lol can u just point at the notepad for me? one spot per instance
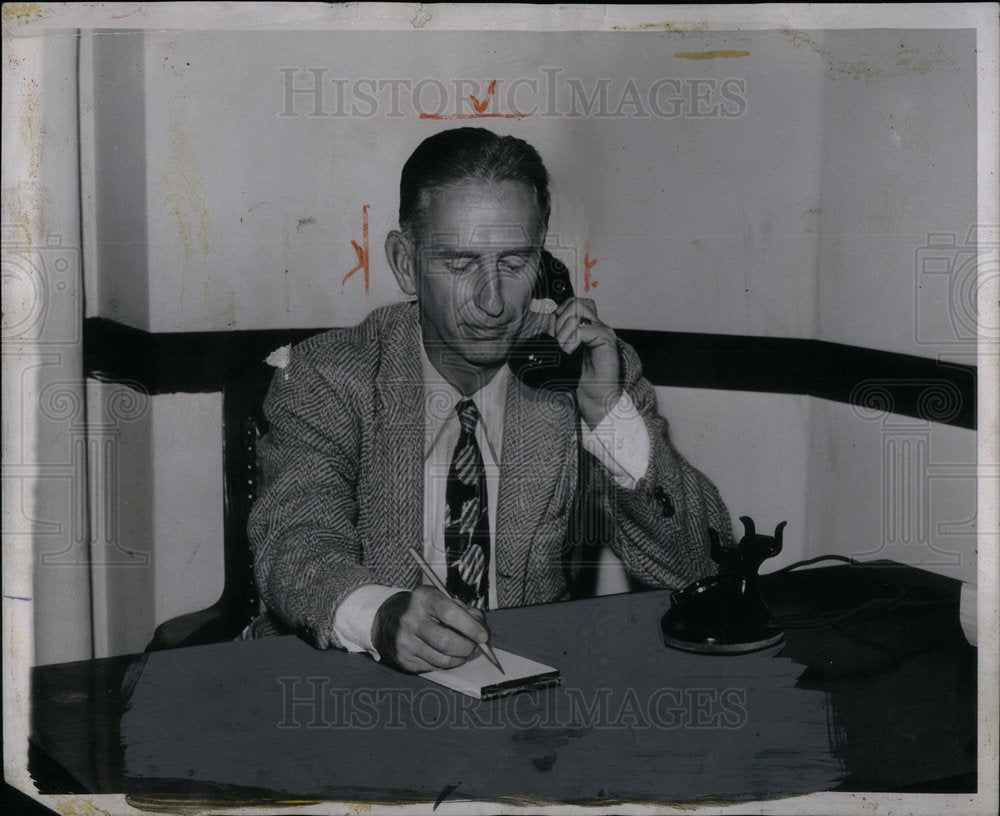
(481, 679)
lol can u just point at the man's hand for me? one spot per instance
(576, 323)
(424, 629)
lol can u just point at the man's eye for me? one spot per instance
(513, 264)
(461, 264)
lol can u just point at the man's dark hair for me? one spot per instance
(464, 154)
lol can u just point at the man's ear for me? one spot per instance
(401, 254)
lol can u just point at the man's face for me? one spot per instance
(477, 262)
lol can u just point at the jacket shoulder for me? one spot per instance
(357, 349)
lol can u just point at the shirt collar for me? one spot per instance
(441, 397)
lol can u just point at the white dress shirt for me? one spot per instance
(620, 442)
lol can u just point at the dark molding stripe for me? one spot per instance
(187, 362)
(876, 381)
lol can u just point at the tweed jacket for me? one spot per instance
(341, 497)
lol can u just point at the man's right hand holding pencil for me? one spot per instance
(424, 629)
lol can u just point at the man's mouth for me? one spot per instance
(488, 332)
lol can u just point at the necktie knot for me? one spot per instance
(468, 416)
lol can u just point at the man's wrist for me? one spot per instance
(620, 442)
(385, 626)
(355, 616)
(593, 411)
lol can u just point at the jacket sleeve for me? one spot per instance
(659, 529)
(302, 528)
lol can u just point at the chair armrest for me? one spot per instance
(212, 625)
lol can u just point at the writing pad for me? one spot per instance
(481, 679)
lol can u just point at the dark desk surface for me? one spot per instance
(901, 680)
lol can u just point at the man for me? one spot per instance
(410, 430)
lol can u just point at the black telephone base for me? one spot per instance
(713, 647)
(725, 613)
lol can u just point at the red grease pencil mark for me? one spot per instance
(361, 251)
(589, 264)
(481, 106)
(439, 116)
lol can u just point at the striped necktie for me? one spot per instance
(467, 522)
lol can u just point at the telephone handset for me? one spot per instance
(539, 362)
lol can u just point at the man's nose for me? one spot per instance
(489, 291)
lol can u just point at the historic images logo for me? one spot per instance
(313, 92)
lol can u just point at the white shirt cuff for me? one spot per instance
(355, 615)
(620, 442)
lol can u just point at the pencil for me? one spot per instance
(485, 648)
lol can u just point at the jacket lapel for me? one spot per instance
(533, 457)
(398, 473)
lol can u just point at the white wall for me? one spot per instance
(899, 157)
(851, 148)
(700, 222)
(158, 530)
(882, 485)
(45, 544)
(114, 161)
